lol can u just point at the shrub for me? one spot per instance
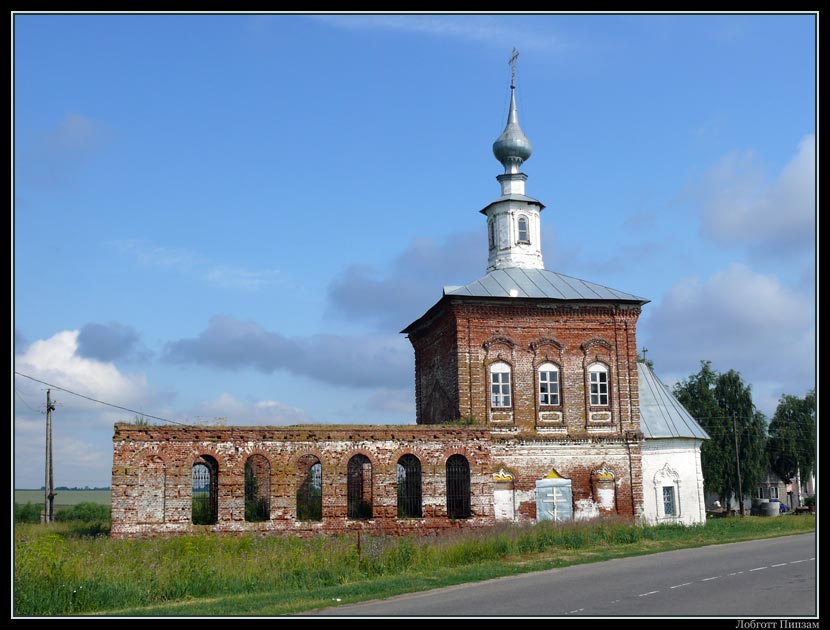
(29, 513)
(86, 512)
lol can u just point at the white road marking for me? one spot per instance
(711, 578)
(758, 569)
(679, 585)
(780, 564)
(649, 593)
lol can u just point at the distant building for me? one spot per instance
(530, 405)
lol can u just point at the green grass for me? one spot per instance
(64, 497)
(61, 570)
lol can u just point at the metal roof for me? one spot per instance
(539, 283)
(661, 414)
(513, 197)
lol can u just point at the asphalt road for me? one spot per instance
(773, 577)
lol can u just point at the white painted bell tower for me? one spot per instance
(513, 220)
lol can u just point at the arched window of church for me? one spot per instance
(309, 489)
(458, 487)
(598, 380)
(205, 491)
(548, 384)
(500, 385)
(359, 487)
(491, 230)
(257, 489)
(409, 487)
(524, 235)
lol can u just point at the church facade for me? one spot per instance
(528, 407)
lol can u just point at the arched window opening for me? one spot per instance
(524, 236)
(205, 491)
(257, 489)
(359, 487)
(458, 487)
(598, 374)
(309, 489)
(409, 487)
(500, 385)
(548, 384)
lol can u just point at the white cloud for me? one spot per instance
(497, 30)
(741, 320)
(740, 206)
(191, 263)
(229, 409)
(56, 360)
(82, 429)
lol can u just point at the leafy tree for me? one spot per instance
(792, 436)
(697, 395)
(722, 404)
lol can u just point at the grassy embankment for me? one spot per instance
(61, 569)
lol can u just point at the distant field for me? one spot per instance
(64, 497)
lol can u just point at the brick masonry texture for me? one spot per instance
(458, 340)
(152, 483)
(599, 448)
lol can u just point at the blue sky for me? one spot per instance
(229, 218)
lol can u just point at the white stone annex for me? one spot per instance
(672, 473)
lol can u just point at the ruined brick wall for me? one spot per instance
(152, 486)
(437, 374)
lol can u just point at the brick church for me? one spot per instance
(530, 405)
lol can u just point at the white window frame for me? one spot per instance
(544, 372)
(773, 490)
(673, 495)
(526, 230)
(598, 376)
(500, 386)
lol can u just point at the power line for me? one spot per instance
(23, 400)
(100, 402)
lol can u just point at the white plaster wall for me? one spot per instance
(507, 252)
(682, 455)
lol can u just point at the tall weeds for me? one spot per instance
(60, 570)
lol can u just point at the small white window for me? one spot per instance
(773, 492)
(523, 232)
(500, 385)
(760, 493)
(669, 508)
(599, 384)
(548, 384)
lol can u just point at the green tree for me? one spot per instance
(697, 395)
(722, 404)
(792, 436)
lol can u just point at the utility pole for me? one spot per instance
(49, 492)
(738, 468)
